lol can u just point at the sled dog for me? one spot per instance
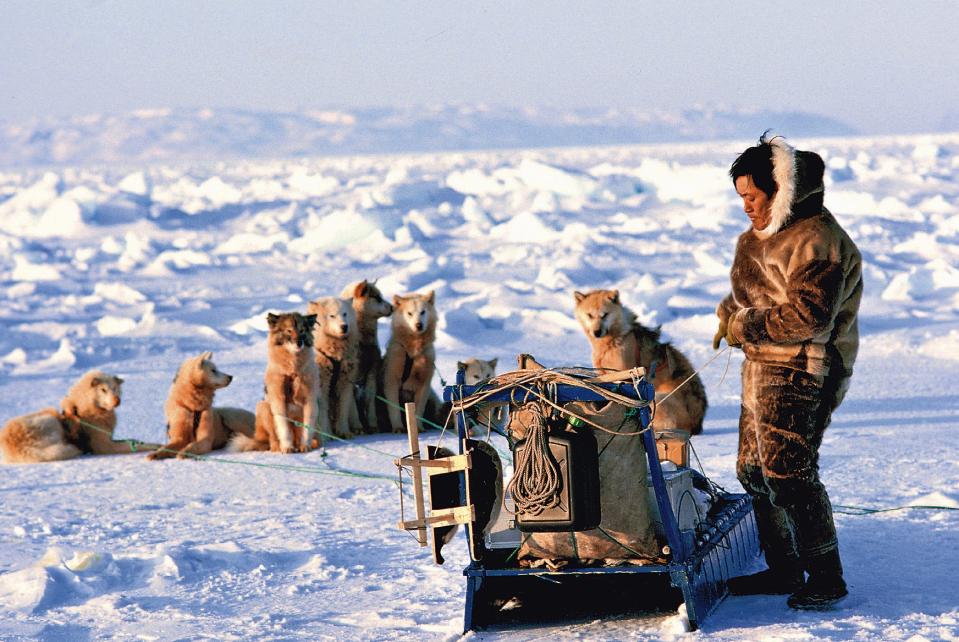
(410, 357)
(335, 345)
(477, 371)
(293, 407)
(620, 342)
(194, 426)
(369, 305)
(84, 424)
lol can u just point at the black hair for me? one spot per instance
(757, 162)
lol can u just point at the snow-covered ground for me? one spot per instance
(131, 270)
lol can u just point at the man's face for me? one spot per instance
(755, 202)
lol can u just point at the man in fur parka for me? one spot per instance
(796, 285)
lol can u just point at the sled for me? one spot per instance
(724, 545)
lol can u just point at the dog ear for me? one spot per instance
(206, 356)
(614, 296)
(431, 296)
(95, 381)
(460, 365)
(271, 319)
(118, 380)
(397, 300)
(492, 362)
(311, 306)
(579, 296)
(361, 290)
(310, 320)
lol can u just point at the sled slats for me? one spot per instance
(438, 517)
(452, 464)
(441, 466)
(442, 517)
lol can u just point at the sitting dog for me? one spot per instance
(620, 342)
(369, 305)
(334, 341)
(485, 418)
(84, 424)
(410, 356)
(194, 426)
(293, 408)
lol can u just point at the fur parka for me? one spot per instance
(797, 284)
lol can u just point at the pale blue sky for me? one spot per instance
(879, 66)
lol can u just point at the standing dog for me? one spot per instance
(369, 305)
(293, 407)
(194, 426)
(620, 342)
(84, 424)
(410, 357)
(334, 341)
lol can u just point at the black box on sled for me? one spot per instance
(574, 452)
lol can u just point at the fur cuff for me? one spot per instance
(747, 325)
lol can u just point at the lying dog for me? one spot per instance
(334, 341)
(369, 305)
(410, 356)
(293, 408)
(620, 342)
(194, 426)
(84, 424)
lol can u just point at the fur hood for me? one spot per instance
(799, 184)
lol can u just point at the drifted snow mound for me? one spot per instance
(937, 278)
(61, 360)
(43, 210)
(56, 580)
(65, 578)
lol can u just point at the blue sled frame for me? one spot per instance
(727, 545)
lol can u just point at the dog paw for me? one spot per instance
(152, 456)
(286, 450)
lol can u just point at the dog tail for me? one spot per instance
(23, 444)
(240, 443)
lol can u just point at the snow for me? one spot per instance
(157, 262)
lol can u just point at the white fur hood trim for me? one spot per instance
(784, 173)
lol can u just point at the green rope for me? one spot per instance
(516, 550)
(423, 419)
(133, 443)
(864, 510)
(619, 543)
(313, 430)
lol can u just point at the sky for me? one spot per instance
(882, 67)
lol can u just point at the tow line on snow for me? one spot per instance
(844, 509)
(329, 470)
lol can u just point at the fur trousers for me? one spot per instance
(781, 424)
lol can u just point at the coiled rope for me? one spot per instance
(536, 481)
